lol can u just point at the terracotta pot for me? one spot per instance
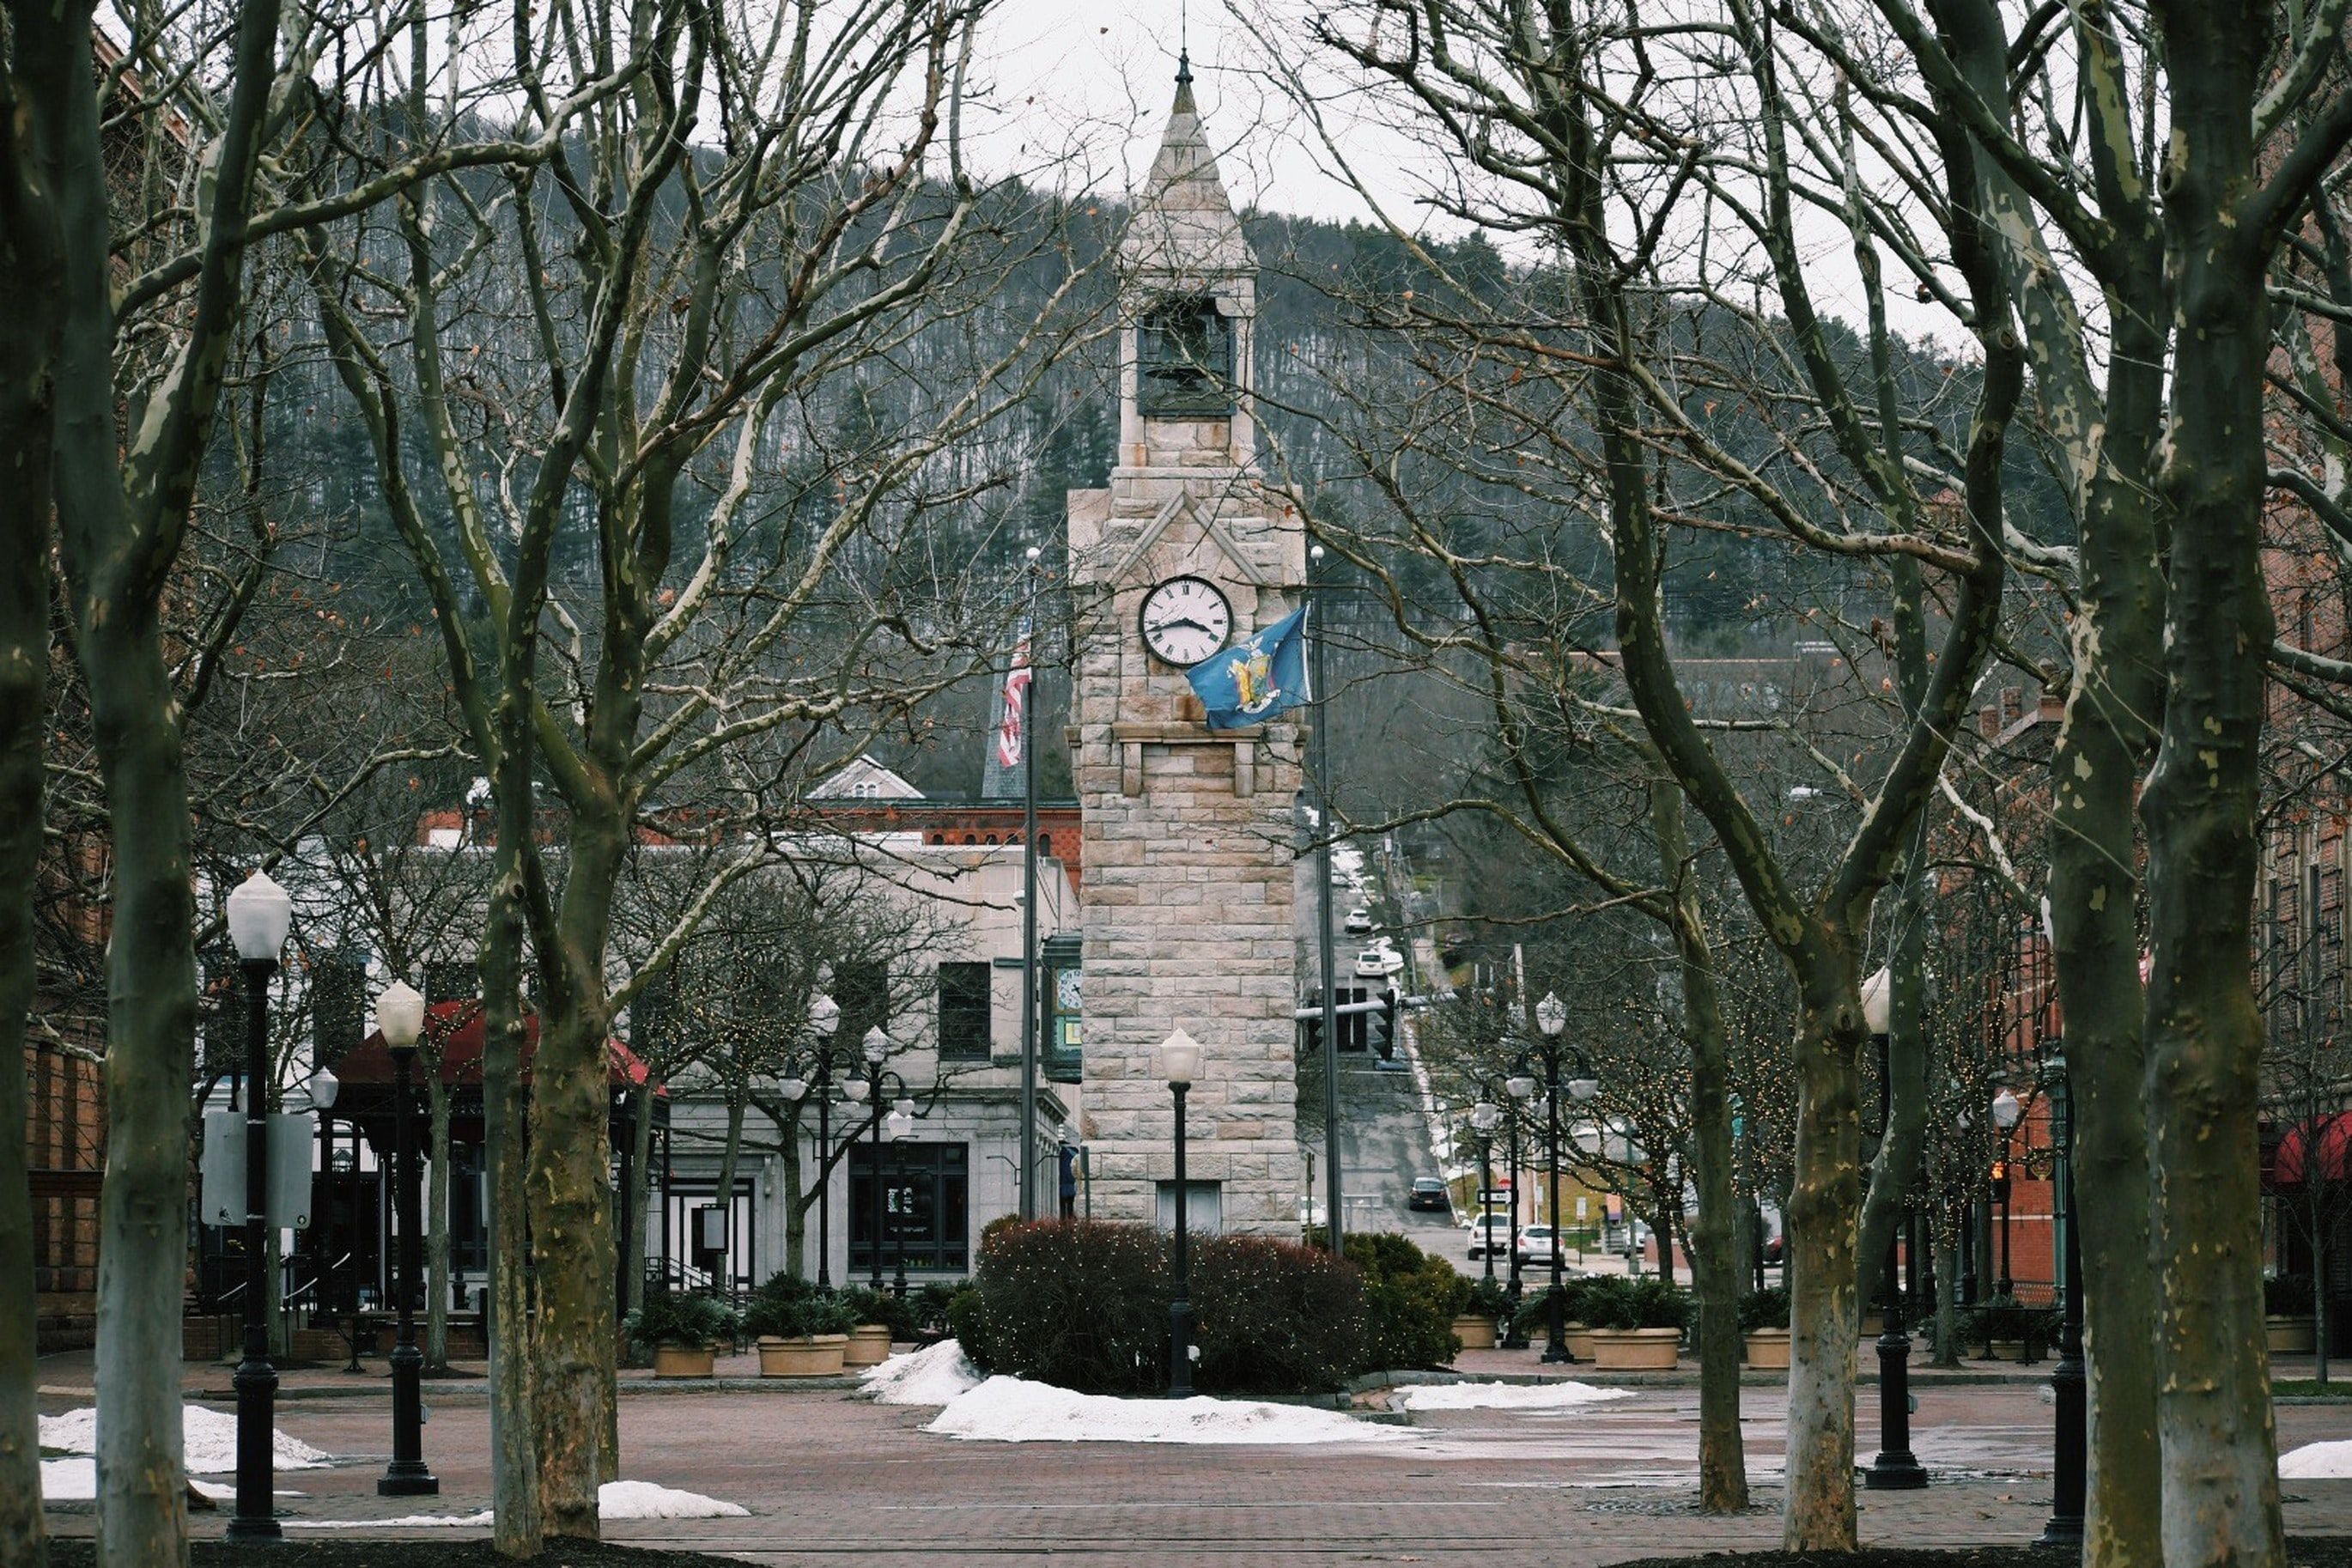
(1635, 1349)
(1578, 1338)
(809, 1355)
(1767, 1349)
(1476, 1333)
(684, 1360)
(1873, 1324)
(2006, 1350)
(2292, 1336)
(869, 1345)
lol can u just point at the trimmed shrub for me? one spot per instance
(669, 1319)
(901, 1314)
(2287, 1296)
(1079, 1303)
(1485, 1298)
(967, 1321)
(1765, 1309)
(791, 1316)
(1409, 1299)
(1274, 1317)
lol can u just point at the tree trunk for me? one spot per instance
(1714, 1261)
(518, 1528)
(728, 1158)
(1824, 1306)
(26, 362)
(571, 1213)
(436, 1224)
(1948, 1299)
(639, 1239)
(2204, 1033)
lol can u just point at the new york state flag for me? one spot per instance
(1263, 674)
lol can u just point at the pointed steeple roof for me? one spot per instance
(1184, 226)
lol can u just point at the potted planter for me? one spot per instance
(1635, 1349)
(1764, 1323)
(2287, 1305)
(875, 1317)
(1637, 1324)
(802, 1356)
(803, 1332)
(1477, 1333)
(683, 1332)
(684, 1361)
(2005, 1350)
(1578, 1338)
(1767, 1349)
(869, 1345)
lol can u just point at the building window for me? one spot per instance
(1204, 1211)
(925, 1213)
(964, 1012)
(863, 992)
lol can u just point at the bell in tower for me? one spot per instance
(1188, 286)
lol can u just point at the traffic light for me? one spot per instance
(1310, 1034)
(1353, 1034)
(1381, 1025)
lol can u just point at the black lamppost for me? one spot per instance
(875, 1050)
(1180, 1064)
(258, 915)
(2071, 1436)
(2006, 1113)
(400, 1018)
(1515, 1338)
(1551, 1017)
(895, 1127)
(824, 1018)
(1482, 1123)
(1895, 1468)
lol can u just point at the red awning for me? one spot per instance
(2331, 1136)
(458, 1026)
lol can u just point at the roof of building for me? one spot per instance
(1184, 224)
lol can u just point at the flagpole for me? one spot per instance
(1029, 1009)
(1334, 1221)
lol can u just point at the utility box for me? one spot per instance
(291, 1138)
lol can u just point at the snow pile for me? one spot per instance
(1505, 1396)
(76, 1480)
(481, 1520)
(643, 1500)
(932, 1376)
(1015, 1410)
(2317, 1462)
(209, 1437)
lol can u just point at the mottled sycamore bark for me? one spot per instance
(1713, 1246)
(29, 266)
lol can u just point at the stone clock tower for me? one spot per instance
(1188, 836)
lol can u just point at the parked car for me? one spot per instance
(1360, 920)
(1491, 1232)
(1537, 1245)
(1429, 1193)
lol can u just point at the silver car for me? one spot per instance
(1537, 1244)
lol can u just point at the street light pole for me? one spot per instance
(2006, 1112)
(400, 1018)
(1482, 1123)
(260, 911)
(1180, 1064)
(1515, 1336)
(2071, 1438)
(1551, 1017)
(877, 1050)
(1895, 1468)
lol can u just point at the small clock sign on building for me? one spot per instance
(1187, 833)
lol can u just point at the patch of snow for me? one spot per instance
(1505, 1396)
(1015, 1410)
(643, 1500)
(208, 1438)
(2317, 1462)
(930, 1376)
(481, 1520)
(69, 1480)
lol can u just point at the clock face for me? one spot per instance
(1186, 619)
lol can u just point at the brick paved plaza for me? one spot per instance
(829, 1476)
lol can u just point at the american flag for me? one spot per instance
(1016, 697)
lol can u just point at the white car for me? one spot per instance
(1536, 1245)
(1490, 1235)
(1372, 963)
(1360, 920)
